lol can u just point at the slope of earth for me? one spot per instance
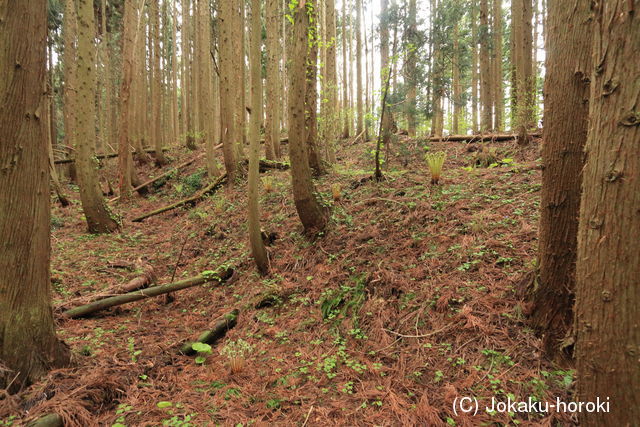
(407, 302)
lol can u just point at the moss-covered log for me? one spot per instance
(217, 331)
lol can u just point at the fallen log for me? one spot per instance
(265, 165)
(102, 304)
(214, 333)
(167, 173)
(104, 156)
(189, 200)
(480, 138)
(282, 140)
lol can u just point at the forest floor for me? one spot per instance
(407, 302)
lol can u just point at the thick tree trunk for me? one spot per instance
(568, 65)
(608, 265)
(272, 120)
(311, 213)
(28, 343)
(124, 151)
(255, 238)
(228, 96)
(98, 217)
(523, 82)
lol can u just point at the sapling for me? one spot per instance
(435, 162)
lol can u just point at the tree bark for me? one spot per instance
(485, 69)
(228, 96)
(498, 95)
(311, 94)
(411, 68)
(331, 79)
(474, 67)
(311, 213)
(345, 75)
(98, 217)
(156, 85)
(255, 238)
(28, 343)
(568, 65)
(608, 265)
(359, 89)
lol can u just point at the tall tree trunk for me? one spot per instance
(28, 343)
(175, 120)
(522, 46)
(359, 89)
(310, 211)
(411, 68)
(98, 217)
(331, 79)
(498, 95)
(311, 94)
(255, 236)
(568, 65)
(106, 61)
(69, 95)
(272, 120)
(228, 96)
(345, 75)
(205, 81)
(156, 86)
(185, 81)
(485, 68)
(456, 87)
(124, 151)
(474, 67)
(608, 265)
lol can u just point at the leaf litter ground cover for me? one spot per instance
(408, 301)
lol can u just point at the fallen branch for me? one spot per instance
(102, 304)
(188, 201)
(103, 156)
(217, 331)
(167, 173)
(480, 138)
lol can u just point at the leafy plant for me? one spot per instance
(435, 162)
(202, 349)
(336, 191)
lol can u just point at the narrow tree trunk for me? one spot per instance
(156, 85)
(332, 82)
(311, 94)
(98, 217)
(272, 120)
(359, 89)
(485, 69)
(498, 95)
(28, 347)
(608, 265)
(345, 75)
(255, 237)
(311, 213)
(411, 68)
(455, 72)
(568, 65)
(474, 67)
(205, 81)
